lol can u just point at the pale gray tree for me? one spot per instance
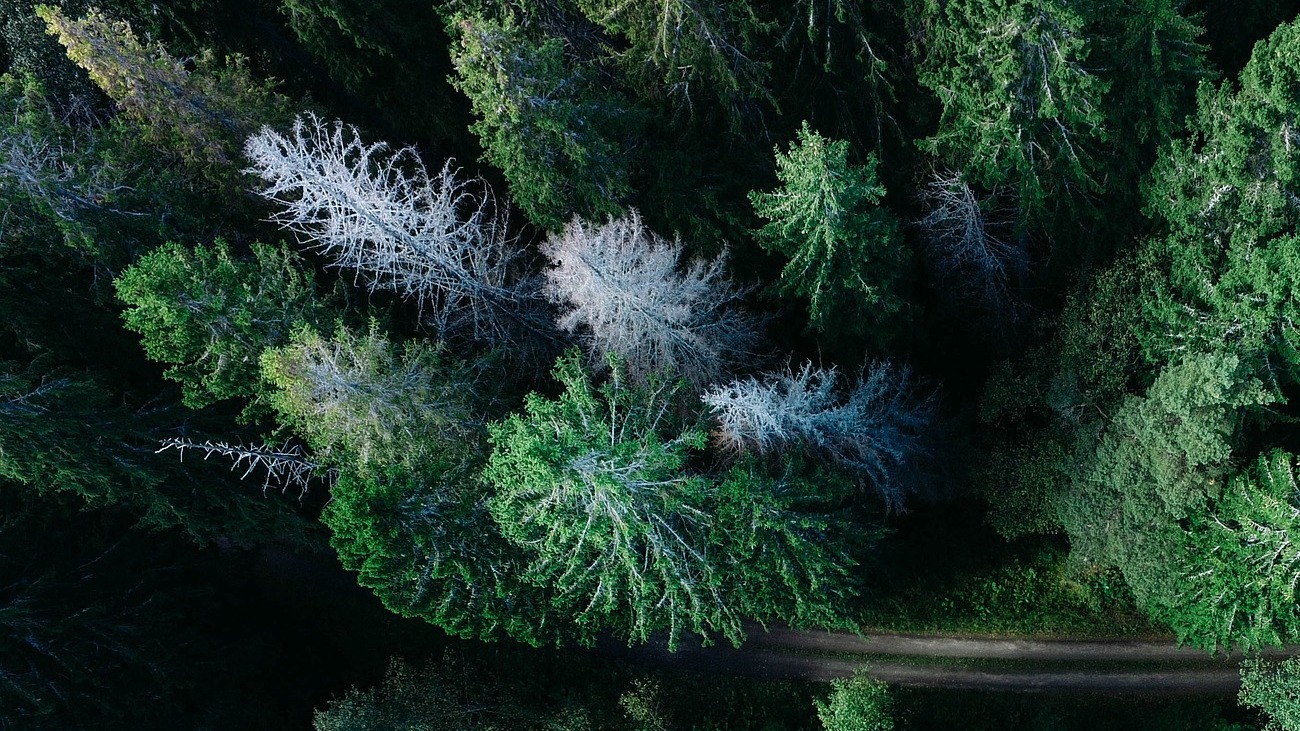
(624, 289)
(437, 239)
(966, 241)
(875, 431)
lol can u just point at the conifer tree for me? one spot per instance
(1021, 104)
(620, 286)
(201, 116)
(211, 315)
(593, 487)
(845, 251)
(542, 120)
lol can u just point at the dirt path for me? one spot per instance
(1037, 665)
(935, 645)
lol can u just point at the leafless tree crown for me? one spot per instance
(963, 240)
(874, 432)
(621, 286)
(436, 239)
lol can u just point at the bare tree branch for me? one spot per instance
(435, 239)
(287, 465)
(875, 432)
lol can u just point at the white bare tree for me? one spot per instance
(436, 239)
(963, 240)
(875, 432)
(286, 466)
(623, 288)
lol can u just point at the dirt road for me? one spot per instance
(1027, 665)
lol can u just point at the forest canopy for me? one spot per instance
(560, 324)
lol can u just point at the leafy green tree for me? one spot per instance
(211, 315)
(542, 120)
(360, 401)
(857, 704)
(1021, 106)
(1141, 487)
(845, 250)
(200, 116)
(1223, 199)
(593, 486)
(1274, 688)
(397, 426)
(1154, 62)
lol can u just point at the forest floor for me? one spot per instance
(1116, 666)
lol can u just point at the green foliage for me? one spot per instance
(592, 485)
(1241, 569)
(1274, 688)
(693, 51)
(1154, 62)
(792, 555)
(542, 120)
(200, 116)
(1034, 588)
(1161, 460)
(1020, 105)
(845, 250)
(361, 402)
(429, 549)
(1224, 198)
(857, 704)
(59, 431)
(443, 697)
(389, 55)
(211, 315)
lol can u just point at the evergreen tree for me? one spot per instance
(211, 315)
(845, 251)
(694, 51)
(593, 487)
(543, 121)
(201, 116)
(1224, 199)
(1021, 105)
